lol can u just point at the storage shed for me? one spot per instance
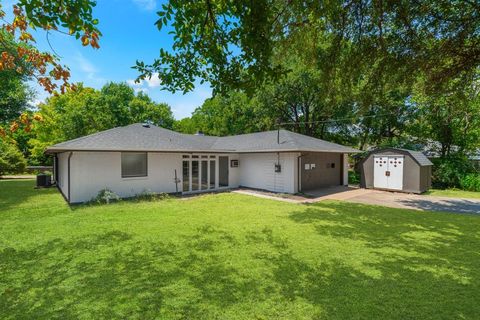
(396, 169)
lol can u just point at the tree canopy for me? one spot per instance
(231, 43)
(17, 45)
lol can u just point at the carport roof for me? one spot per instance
(138, 137)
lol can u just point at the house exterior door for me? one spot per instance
(388, 172)
(198, 173)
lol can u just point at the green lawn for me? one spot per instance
(230, 256)
(454, 193)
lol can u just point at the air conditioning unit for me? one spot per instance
(233, 163)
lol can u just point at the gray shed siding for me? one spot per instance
(416, 178)
(425, 178)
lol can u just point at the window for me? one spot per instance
(234, 163)
(134, 164)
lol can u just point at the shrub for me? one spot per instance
(106, 196)
(149, 195)
(11, 159)
(470, 182)
(448, 172)
(353, 177)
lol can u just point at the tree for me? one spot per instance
(14, 97)
(143, 109)
(86, 111)
(453, 117)
(17, 45)
(224, 115)
(231, 43)
(11, 159)
(301, 103)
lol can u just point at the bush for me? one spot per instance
(470, 182)
(149, 195)
(448, 172)
(353, 177)
(106, 196)
(11, 159)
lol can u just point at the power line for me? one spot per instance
(335, 120)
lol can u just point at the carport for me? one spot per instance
(319, 170)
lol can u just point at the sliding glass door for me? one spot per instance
(199, 173)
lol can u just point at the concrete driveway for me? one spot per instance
(398, 200)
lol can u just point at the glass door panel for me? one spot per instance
(212, 174)
(195, 175)
(204, 173)
(186, 176)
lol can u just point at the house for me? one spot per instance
(138, 157)
(396, 169)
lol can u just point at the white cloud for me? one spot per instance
(154, 81)
(148, 5)
(132, 83)
(84, 64)
(137, 90)
(90, 71)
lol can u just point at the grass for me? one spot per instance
(454, 193)
(231, 256)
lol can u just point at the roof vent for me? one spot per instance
(199, 133)
(146, 125)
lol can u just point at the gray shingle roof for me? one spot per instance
(418, 156)
(136, 137)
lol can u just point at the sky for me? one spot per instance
(129, 34)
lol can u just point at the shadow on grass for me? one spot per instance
(349, 261)
(409, 286)
(111, 275)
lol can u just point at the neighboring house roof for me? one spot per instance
(137, 137)
(418, 156)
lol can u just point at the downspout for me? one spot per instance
(55, 168)
(68, 175)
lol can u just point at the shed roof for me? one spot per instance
(418, 156)
(137, 137)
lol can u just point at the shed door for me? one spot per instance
(380, 168)
(395, 167)
(388, 172)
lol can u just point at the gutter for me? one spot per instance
(226, 151)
